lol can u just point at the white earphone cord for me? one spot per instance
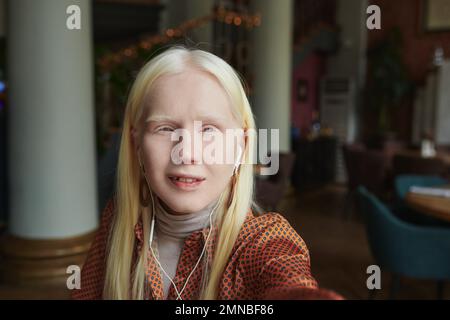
(236, 166)
(199, 259)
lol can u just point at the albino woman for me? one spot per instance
(180, 227)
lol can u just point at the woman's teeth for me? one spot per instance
(187, 180)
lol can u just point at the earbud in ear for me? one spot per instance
(238, 160)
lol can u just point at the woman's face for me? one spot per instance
(194, 106)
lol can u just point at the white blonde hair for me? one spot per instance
(124, 280)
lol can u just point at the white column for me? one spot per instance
(350, 61)
(442, 118)
(418, 118)
(51, 126)
(271, 67)
(429, 111)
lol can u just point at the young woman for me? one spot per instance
(182, 228)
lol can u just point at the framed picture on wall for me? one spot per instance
(435, 15)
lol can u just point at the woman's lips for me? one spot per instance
(186, 182)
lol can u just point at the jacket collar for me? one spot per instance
(154, 275)
(139, 230)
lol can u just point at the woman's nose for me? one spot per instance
(191, 152)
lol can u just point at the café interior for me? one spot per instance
(358, 89)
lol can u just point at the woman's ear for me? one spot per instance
(245, 140)
(135, 139)
(136, 146)
(241, 150)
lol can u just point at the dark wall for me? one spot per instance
(418, 45)
(121, 21)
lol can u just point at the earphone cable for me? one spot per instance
(201, 255)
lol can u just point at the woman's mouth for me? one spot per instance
(186, 182)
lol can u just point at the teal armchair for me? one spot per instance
(402, 248)
(402, 185)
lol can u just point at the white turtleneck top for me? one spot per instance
(170, 232)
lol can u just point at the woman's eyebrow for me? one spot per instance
(159, 118)
(204, 118)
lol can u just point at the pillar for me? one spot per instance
(271, 67)
(52, 178)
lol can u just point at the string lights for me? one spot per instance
(111, 59)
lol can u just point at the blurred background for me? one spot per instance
(363, 114)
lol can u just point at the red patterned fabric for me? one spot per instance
(269, 261)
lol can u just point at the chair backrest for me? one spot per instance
(403, 248)
(404, 182)
(415, 165)
(269, 192)
(365, 167)
(352, 154)
(374, 169)
(286, 164)
(387, 235)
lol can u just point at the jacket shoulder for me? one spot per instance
(93, 271)
(268, 222)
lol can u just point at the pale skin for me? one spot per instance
(175, 102)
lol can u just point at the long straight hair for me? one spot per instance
(123, 280)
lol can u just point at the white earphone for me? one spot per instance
(198, 261)
(238, 161)
(152, 227)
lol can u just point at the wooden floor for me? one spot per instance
(339, 251)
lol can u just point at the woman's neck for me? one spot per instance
(180, 225)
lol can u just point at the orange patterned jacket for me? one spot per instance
(269, 261)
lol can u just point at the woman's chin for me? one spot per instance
(186, 210)
(185, 206)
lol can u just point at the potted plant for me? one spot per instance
(388, 82)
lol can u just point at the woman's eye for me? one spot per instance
(164, 129)
(209, 129)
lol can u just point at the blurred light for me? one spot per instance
(128, 52)
(222, 15)
(257, 21)
(170, 32)
(229, 19)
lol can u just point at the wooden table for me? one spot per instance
(441, 155)
(438, 207)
